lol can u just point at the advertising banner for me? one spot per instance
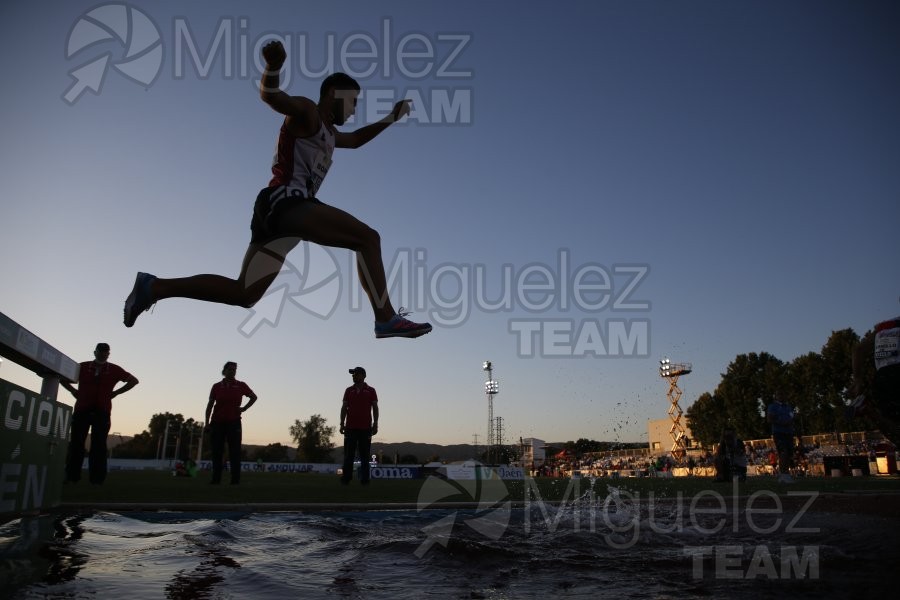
(34, 433)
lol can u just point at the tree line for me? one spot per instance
(170, 435)
(817, 386)
(312, 443)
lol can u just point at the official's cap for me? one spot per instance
(360, 370)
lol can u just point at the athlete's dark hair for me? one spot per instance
(228, 364)
(338, 82)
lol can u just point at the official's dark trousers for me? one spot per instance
(222, 433)
(98, 423)
(784, 445)
(357, 441)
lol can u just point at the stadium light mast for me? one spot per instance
(671, 372)
(491, 388)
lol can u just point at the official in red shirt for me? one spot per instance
(223, 417)
(93, 405)
(359, 422)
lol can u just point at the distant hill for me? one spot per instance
(388, 451)
(425, 452)
(422, 452)
(114, 439)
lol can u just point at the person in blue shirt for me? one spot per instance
(780, 416)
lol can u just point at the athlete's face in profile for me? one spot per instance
(344, 105)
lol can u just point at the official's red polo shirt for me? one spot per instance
(359, 402)
(95, 385)
(228, 396)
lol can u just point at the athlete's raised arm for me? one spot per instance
(297, 107)
(363, 135)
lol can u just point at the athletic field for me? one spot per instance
(285, 491)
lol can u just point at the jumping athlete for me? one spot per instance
(287, 210)
(876, 372)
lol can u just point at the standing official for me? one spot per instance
(93, 406)
(359, 422)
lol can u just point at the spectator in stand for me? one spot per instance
(772, 458)
(691, 464)
(731, 461)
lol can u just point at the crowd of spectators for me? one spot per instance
(760, 457)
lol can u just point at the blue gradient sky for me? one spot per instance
(744, 153)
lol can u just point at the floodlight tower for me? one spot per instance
(671, 372)
(491, 388)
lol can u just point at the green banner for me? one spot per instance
(34, 433)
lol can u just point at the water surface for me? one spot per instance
(596, 550)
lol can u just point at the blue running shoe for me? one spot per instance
(399, 326)
(140, 298)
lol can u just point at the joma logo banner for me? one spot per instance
(394, 473)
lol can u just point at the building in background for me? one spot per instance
(660, 438)
(533, 453)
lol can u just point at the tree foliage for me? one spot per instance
(272, 453)
(817, 385)
(706, 418)
(313, 439)
(141, 446)
(865, 376)
(183, 433)
(747, 387)
(583, 446)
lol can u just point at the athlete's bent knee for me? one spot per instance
(371, 238)
(250, 296)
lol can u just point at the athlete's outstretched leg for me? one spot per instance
(329, 226)
(261, 266)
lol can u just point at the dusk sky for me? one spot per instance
(582, 189)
